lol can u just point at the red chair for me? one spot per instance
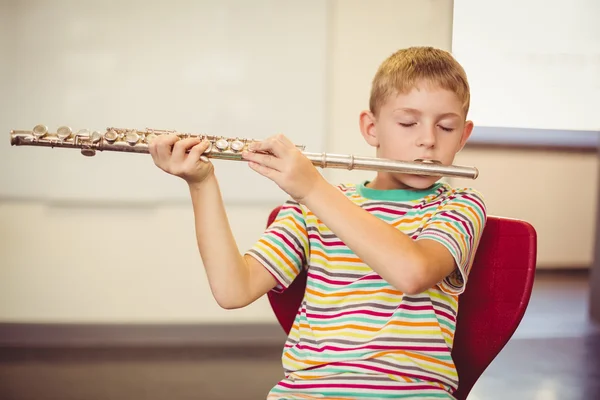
(491, 307)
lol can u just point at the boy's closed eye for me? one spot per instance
(411, 124)
(407, 124)
(445, 128)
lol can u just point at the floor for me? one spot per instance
(555, 354)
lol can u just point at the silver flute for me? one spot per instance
(226, 148)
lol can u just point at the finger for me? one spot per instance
(272, 145)
(164, 145)
(282, 145)
(152, 150)
(153, 143)
(264, 171)
(182, 146)
(197, 151)
(266, 160)
(258, 146)
(285, 140)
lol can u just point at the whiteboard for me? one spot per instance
(248, 69)
(531, 64)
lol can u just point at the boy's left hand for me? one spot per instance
(285, 165)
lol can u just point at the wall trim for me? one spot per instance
(16, 334)
(562, 269)
(534, 139)
(531, 147)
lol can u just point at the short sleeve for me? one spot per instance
(283, 247)
(458, 225)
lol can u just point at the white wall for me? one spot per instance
(121, 263)
(531, 65)
(220, 68)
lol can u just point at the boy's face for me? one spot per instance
(425, 123)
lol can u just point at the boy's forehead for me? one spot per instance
(416, 98)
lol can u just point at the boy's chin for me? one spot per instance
(419, 182)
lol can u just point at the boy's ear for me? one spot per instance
(367, 128)
(468, 129)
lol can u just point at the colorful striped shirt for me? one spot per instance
(355, 335)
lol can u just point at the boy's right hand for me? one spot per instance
(170, 153)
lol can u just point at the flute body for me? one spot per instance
(137, 141)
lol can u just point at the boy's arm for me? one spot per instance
(411, 266)
(235, 280)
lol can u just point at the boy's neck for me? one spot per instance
(393, 190)
(387, 182)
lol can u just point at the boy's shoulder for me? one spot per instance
(462, 192)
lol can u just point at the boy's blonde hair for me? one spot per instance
(401, 71)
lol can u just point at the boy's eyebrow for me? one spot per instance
(418, 112)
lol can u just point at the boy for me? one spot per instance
(386, 259)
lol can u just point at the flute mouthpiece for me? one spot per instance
(427, 161)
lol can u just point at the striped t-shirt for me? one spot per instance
(355, 335)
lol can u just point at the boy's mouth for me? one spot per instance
(426, 160)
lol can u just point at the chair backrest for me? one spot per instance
(491, 307)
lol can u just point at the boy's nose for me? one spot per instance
(426, 138)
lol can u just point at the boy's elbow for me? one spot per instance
(230, 304)
(411, 287)
(229, 301)
(423, 278)
(416, 281)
